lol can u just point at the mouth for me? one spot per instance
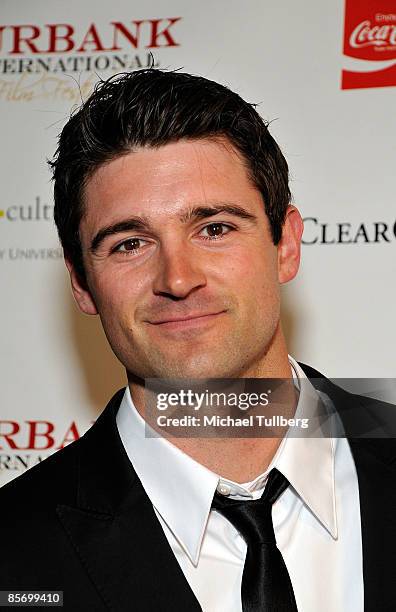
(187, 322)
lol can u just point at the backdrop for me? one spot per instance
(322, 72)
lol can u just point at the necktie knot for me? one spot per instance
(265, 583)
(253, 518)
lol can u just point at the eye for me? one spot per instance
(215, 231)
(132, 245)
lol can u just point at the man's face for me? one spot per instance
(180, 262)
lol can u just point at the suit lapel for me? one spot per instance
(114, 529)
(374, 454)
(118, 538)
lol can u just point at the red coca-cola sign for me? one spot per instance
(369, 44)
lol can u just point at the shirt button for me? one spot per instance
(224, 489)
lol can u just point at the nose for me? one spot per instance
(179, 272)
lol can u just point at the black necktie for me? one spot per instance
(266, 585)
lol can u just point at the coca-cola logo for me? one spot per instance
(369, 44)
(365, 34)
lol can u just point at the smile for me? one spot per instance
(187, 322)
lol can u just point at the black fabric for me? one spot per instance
(266, 583)
(82, 522)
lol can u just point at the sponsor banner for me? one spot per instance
(36, 211)
(317, 231)
(61, 61)
(338, 314)
(369, 44)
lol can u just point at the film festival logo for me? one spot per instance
(62, 61)
(369, 44)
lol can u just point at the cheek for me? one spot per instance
(252, 272)
(116, 295)
(257, 290)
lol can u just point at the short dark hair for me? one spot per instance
(153, 107)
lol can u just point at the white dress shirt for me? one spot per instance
(316, 520)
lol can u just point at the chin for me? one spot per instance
(195, 369)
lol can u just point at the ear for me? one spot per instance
(81, 293)
(289, 245)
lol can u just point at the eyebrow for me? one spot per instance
(133, 224)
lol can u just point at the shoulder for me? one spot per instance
(52, 480)
(369, 423)
(56, 479)
(31, 527)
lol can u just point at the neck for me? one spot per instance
(237, 459)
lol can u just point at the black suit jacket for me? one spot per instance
(81, 522)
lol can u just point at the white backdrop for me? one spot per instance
(56, 370)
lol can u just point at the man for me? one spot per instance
(173, 208)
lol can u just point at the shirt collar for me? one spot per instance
(180, 487)
(308, 462)
(177, 485)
